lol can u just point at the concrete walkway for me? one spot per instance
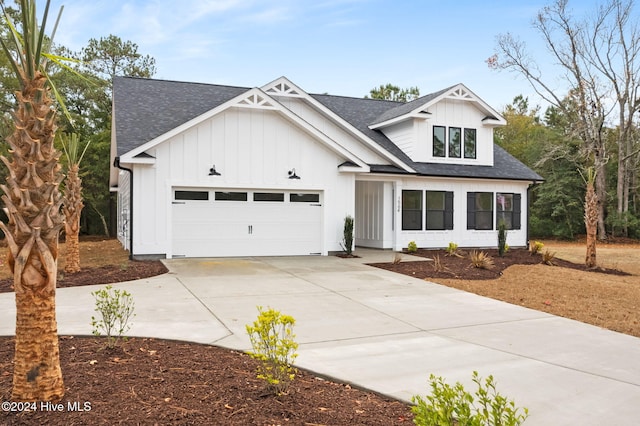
(384, 331)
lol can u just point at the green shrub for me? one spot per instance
(535, 247)
(502, 238)
(115, 308)
(347, 233)
(453, 405)
(452, 249)
(412, 247)
(274, 346)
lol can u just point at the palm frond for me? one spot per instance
(19, 62)
(27, 50)
(40, 34)
(58, 98)
(71, 146)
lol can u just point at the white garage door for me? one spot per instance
(217, 223)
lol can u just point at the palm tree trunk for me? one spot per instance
(591, 224)
(33, 201)
(37, 373)
(72, 208)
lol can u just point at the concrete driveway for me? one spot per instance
(384, 331)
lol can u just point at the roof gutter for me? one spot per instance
(116, 163)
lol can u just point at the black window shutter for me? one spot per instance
(471, 210)
(448, 210)
(517, 211)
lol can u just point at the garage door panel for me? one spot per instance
(246, 228)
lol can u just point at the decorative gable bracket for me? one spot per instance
(255, 100)
(461, 94)
(282, 88)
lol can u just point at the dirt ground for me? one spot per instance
(608, 297)
(150, 381)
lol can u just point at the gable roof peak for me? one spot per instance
(457, 91)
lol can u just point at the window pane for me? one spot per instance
(412, 200)
(411, 210)
(454, 142)
(504, 202)
(411, 220)
(484, 201)
(506, 217)
(484, 220)
(469, 143)
(435, 200)
(192, 195)
(438, 141)
(435, 220)
(304, 198)
(231, 196)
(268, 196)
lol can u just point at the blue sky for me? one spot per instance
(341, 47)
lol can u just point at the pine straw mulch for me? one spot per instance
(606, 297)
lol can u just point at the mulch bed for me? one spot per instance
(133, 270)
(151, 381)
(459, 267)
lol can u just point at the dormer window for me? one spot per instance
(470, 143)
(439, 149)
(454, 149)
(454, 142)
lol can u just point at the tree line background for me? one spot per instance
(592, 123)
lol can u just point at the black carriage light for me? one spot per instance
(213, 172)
(293, 175)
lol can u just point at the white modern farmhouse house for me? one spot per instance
(206, 170)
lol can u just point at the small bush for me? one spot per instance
(115, 308)
(481, 260)
(547, 258)
(453, 405)
(502, 238)
(412, 247)
(347, 234)
(452, 249)
(275, 347)
(535, 247)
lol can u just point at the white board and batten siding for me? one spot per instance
(253, 150)
(124, 203)
(328, 126)
(379, 213)
(453, 113)
(460, 234)
(374, 219)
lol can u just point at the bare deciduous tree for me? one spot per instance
(599, 63)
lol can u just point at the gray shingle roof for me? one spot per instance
(405, 108)
(506, 167)
(358, 112)
(146, 108)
